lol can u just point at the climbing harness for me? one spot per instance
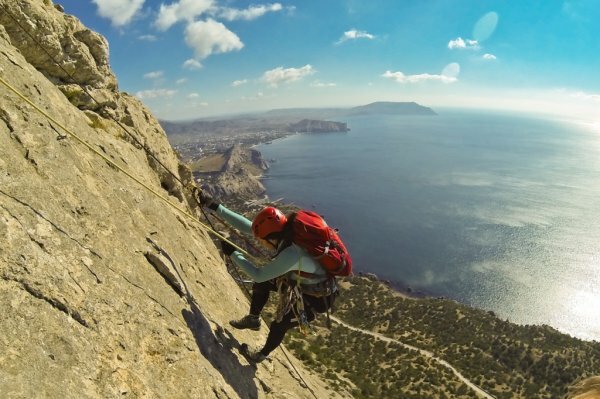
(299, 309)
(291, 300)
(300, 312)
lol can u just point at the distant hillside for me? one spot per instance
(317, 126)
(283, 119)
(378, 107)
(296, 114)
(391, 108)
(233, 125)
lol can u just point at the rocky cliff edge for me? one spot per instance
(239, 178)
(90, 298)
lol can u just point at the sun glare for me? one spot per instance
(582, 306)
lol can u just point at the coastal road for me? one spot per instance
(480, 392)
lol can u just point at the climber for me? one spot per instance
(291, 267)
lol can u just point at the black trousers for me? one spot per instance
(312, 305)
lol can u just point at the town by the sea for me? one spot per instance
(498, 211)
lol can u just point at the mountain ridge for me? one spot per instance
(392, 108)
(285, 119)
(401, 108)
(376, 107)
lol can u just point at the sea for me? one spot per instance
(497, 211)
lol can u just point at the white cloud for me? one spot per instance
(169, 15)
(250, 13)
(462, 44)
(237, 83)
(193, 95)
(586, 96)
(192, 64)
(354, 34)
(181, 81)
(277, 76)
(448, 75)
(155, 93)
(208, 37)
(120, 12)
(258, 96)
(153, 75)
(147, 38)
(488, 56)
(402, 78)
(321, 84)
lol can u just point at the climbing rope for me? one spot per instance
(230, 228)
(145, 148)
(73, 80)
(119, 168)
(131, 135)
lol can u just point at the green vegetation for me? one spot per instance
(370, 368)
(505, 359)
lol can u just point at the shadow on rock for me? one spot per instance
(218, 350)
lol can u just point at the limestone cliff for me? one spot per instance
(91, 301)
(238, 179)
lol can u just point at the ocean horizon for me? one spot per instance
(497, 211)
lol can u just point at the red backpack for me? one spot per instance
(311, 233)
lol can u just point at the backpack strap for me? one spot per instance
(287, 236)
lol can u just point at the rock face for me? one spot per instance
(239, 176)
(105, 290)
(81, 56)
(317, 126)
(257, 159)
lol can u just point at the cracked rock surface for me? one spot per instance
(89, 308)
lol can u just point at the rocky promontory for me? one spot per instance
(234, 176)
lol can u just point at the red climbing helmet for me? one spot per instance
(269, 220)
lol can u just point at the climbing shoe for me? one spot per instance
(247, 322)
(251, 355)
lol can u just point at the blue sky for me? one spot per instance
(195, 58)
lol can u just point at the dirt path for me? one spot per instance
(480, 392)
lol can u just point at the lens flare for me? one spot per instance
(485, 27)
